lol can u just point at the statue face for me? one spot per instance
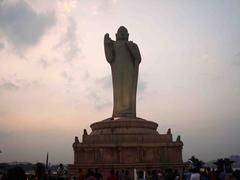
(122, 34)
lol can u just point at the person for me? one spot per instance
(15, 172)
(124, 58)
(80, 174)
(205, 174)
(149, 175)
(176, 175)
(127, 177)
(154, 175)
(89, 172)
(40, 171)
(98, 175)
(236, 174)
(121, 175)
(60, 170)
(112, 175)
(195, 175)
(141, 175)
(212, 174)
(187, 174)
(90, 176)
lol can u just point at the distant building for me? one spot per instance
(236, 159)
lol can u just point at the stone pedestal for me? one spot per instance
(126, 143)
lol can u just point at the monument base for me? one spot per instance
(128, 144)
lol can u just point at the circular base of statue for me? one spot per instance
(124, 125)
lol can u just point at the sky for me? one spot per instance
(55, 80)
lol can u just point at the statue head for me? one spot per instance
(122, 34)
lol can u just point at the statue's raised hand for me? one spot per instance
(108, 48)
(107, 39)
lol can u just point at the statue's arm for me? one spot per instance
(108, 48)
(134, 51)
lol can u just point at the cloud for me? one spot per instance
(13, 83)
(65, 7)
(86, 75)
(104, 6)
(236, 59)
(7, 85)
(99, 91)
(100, 102)
(105, 82)
(1, 46)
(43, 62)
(69, 41)
(142, 85)
(67, 76)
(4, 135)
(21, 25)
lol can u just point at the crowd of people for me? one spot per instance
(40, 173)
(211, 174)
(168, 174)
(113, 175)
(17, 173)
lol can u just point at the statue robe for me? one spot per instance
(124, 58)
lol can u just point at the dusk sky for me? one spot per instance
(55, 80)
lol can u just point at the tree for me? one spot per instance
(224, 164)
(196, 163)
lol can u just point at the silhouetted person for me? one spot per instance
(236, 174)
(60, 170)
(169, 174)
(112, 176)
(195, 174)
(127, 177)
(154, 175)
(89, 172)
(176, 175)
(15, 173)
(149, 175)
(117, 174)
(3, 176)
(98, 175)
(121, 175)
(140, 175)
(90, 175)
(80, 174)
(212, 174)
(40, 171)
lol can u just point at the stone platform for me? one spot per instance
(126, 143)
